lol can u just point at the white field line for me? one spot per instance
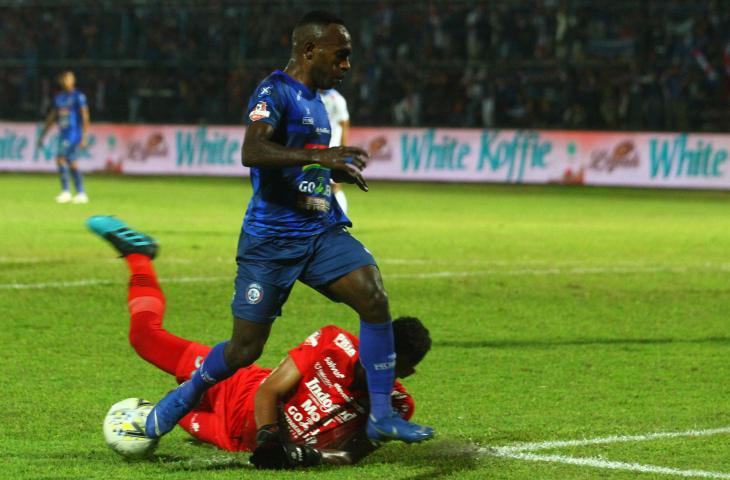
(559, 271)
(527, 263)
(612, 465)
(532, 447)
(525, 451)
(411, 276)
(99, 281)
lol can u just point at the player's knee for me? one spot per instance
(241, 354)
(375, 302)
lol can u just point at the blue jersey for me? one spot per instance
(291, 201)
(68, 107)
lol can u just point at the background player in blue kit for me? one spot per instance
(293, 230)
(71, 113)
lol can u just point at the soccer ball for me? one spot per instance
(124, 428)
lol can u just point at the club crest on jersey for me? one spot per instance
(254, 293)
(259, 112)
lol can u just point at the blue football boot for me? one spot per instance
(123, 238)
(393, 427)
(171, 409)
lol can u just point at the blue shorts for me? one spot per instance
(269, 266)
(68, 149)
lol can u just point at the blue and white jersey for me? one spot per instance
(68, 107)
(291, 201)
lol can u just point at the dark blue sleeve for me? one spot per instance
(267, 104)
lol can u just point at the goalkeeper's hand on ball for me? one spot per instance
(275, 452)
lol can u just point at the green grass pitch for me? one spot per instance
(556, 313)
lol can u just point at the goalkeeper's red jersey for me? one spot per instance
(323, 411)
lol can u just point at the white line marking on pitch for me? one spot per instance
(525, 451)
(531, 447)
(611, 465)
(99, 281)
(411, 276)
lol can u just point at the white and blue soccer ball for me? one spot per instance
(124, 428)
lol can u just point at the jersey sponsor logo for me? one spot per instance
(322, 374)
(254, 293)
(333, 367)
(259, 112)
(265, 90)
(318, 187)
(345, 344)
(322, 130)
(322, 397)
(342, 392)
(307, 120)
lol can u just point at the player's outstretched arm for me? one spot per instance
(259, 151)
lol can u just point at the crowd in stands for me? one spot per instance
(639, 64)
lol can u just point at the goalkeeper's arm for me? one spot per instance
(273, 447)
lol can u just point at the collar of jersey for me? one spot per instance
(309, 94)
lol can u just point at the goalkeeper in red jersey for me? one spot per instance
(311, 409)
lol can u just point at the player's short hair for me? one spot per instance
(319, 17)
(412, 339)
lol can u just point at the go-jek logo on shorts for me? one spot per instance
(254, 293)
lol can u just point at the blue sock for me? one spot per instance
(213, 370)
(63, 172)
(377, 356)
(78, 180)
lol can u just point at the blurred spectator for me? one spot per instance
(651, 65)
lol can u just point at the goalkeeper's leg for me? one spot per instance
(146, 308)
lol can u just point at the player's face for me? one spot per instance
(67, 81)
(331, 59)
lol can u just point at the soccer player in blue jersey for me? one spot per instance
(294, 230)
(71, 113)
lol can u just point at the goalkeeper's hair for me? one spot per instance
(412, 339)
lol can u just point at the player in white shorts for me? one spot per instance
(339, 118)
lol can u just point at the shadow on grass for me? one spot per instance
(438, 458)
(435, 459)
(576, 342)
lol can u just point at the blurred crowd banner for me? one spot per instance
(441, 155)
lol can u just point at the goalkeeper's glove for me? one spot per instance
(275, 452)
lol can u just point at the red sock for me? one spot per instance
(146, 308)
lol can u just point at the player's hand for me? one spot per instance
(336, 158)
(275, 451)
(280, 456)
(350, 175)
(346, 163)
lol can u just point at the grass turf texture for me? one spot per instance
(556, 313)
